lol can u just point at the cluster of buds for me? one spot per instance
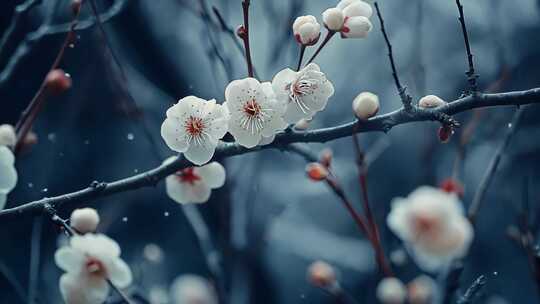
(306, 30)
(350, 18)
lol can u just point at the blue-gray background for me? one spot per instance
(95, 133)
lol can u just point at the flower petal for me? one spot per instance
(119, 273)
(201, 153)
(8, 178)
(69, 259)
(358, 8)
(358, 27)
(243, 137)
(6, 156)
(174, 134)
(212, 174)
(282, 82)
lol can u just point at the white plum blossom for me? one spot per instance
(194, 126)
(305, 92)
(422, 290)
(430, 101)
(192, 289)
(7, 135)
(432, 225)
(254, 111)
(306, 30)
(90, 261)
(84, 220)
(391, 291)
(350, 18)
(8, 174)
(194, 184)
(365, 105)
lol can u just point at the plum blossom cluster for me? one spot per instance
(8, 173)
(350, 18)
(431, 223)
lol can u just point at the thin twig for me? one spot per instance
(471, 74)
(382, 123)
(244, 34)
(329, 36)
(492, 168)
(21, 11)
(473, 290)
(406, 99)
(301, 56)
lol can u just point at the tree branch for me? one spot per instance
(382, 123)
(471, 74)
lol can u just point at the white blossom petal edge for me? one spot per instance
(254, 111)
(194, 184)
(432, 225)
(89, 261)
(190, 288)
(8, 174)
(194, 126)
(305, 92)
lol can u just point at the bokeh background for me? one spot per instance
(269, 221)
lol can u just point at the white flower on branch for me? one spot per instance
(432, 225)
(391, 290)
(430, 101)
(8, 174)
(350, 17)
(84, 220)
(305, 92)
(365, 105)
(194, 184)
(306, 30)
(7, 135)
(90, 261)
(192, 289)
(194, 126)
(254, 110)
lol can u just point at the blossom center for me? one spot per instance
(195, 129)
(426, 225)
(299, 89)
(253, 118)
(188, 175)
(95, 267)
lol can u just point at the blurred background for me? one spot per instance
(269, 222)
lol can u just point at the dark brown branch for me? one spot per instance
(471, 74)
(327, 38)
(381, 123)
(406, 99)
(243, 32)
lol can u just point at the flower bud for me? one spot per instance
(445, 132)
(430, 101)
(356, 27)
(241, 32)
(365, 105)
(316, 172)
(451, 185)
(322, 275)
(28, 142)
(306, 30)
(302, 124)
(333, 19)
(57, 82)
(391, 291)
(7, 136)
(421, 290)
(84, 220)
(325, 158)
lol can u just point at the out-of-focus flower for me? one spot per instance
(306, 30)
(194, 126)
(316, 172)
(192, 289)
(158, 295)
(350, 17)
(8, 174)
(89, 261)
(84, 220)
(194, 184)
(422, 290)
(398, 257)
(7, 135)
(57, 82)
(305, 92)
(391, 291)
(153, 253)
(255, 112)
(430, 101)
(432, 225)
(365, 105)
(322, 275)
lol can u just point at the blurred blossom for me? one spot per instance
(192, 289)
(431, 224)
(391, 291)
(8, 174)
(158, 295)
(153, 253)
(398, 257)
(90, 261)
(84, 220)
(194, 126)
(194, 184)
(322, 275)
(422, 290)
(7, 135)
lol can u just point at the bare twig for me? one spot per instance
(382, 123)
(21, 11)
(327, 38)
(492, 168)
(406, 99)
(471, 74)
(301, 56)
(473, 290)
(243, 32)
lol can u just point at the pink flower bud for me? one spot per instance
(57, 82)
(306, 30)
(391, 291)
(241, 32)
(84, 220)
(316, 172)
(333, 19)
(451, 185)
(322, 275)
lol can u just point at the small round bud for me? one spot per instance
(333, 19)
(430, 101)
(306, 30)
(57, 82)
(444, 133)
(391, 291)
(322, 275)
(365, 105)
(241, 32)
(7, 136)
(29, 141)
(325, 158)
(302, 124)
(84, 220)
(76, 7)
(421, 290)
(316, 172)
(451, 185)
